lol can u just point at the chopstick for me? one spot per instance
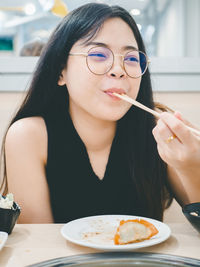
(153, 112)
(136, 103)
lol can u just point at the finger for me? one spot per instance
(178, 115)
(164, 135)
(166, 149)
(177, 127)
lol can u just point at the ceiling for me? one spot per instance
(12, 12)
(128, 4)
(15, 23)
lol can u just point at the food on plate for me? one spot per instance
(131, 231)
(7, 201)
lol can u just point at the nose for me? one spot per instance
(117, 69)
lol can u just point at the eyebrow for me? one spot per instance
(127, 47)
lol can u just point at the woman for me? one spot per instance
(75, 150)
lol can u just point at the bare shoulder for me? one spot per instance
(26, 157)
(27, 133)
(31, 127)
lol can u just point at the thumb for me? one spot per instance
(178, 115)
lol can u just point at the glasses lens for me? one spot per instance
(99, 60)
(135, 63)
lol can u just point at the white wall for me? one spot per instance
(168, 74)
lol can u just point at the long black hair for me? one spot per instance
(148, 171)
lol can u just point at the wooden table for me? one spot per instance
(32, 243)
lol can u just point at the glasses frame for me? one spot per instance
(113, 55)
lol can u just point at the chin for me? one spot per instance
(113, 116)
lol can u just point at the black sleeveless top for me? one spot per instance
(75, 190)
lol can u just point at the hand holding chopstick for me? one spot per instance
(153, 112)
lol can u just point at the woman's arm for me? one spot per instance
(26, 155)
(182, 155)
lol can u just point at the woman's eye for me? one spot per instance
(131, 59)
(97, 56)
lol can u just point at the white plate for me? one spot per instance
(98, 232)
(3, 238)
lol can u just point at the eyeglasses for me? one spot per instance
(100, 60)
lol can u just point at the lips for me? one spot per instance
(115, 90)
(110, 92)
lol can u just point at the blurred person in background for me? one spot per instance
(32, 48)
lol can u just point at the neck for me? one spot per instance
(96, 134)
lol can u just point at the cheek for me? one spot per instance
(74, 77)
(80, 81)
(135, 87)
(73, 71)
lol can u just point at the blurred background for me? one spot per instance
(170, 29)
